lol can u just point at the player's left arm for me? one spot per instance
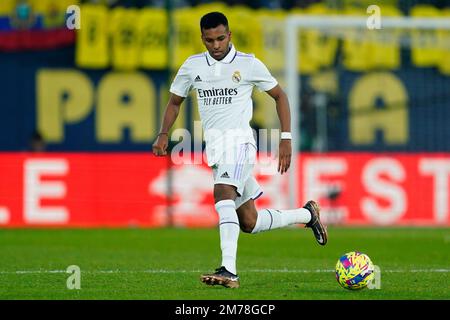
(284, 114)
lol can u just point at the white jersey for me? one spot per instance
(224, 90)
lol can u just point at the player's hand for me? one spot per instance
(284, 156)
(160, 145)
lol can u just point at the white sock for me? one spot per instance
(269, 219)
(229, 233)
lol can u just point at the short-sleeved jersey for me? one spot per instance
(224, 90)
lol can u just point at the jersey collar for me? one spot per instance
(227, 59)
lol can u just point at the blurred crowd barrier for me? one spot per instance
(130, 190)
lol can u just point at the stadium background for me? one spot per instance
(81, 108)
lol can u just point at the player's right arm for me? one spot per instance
(179, 90)
(170, 115)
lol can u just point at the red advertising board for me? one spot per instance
(388, 189)
(130, 189)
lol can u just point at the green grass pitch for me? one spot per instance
(167, 263)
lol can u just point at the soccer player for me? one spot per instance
(224, 79)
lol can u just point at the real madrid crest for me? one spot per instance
(236, 77)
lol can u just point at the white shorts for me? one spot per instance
(237, 170)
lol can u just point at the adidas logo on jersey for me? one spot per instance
(225, 175)
(197, 78)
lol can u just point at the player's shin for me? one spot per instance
(269, 219)
(229, 233)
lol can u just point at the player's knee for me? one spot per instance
(224, 192)
(247, 224)
(247, 228)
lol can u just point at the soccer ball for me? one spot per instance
(354, 270)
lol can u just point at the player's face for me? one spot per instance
(216, 41)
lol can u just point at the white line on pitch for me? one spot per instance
(199, 271)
